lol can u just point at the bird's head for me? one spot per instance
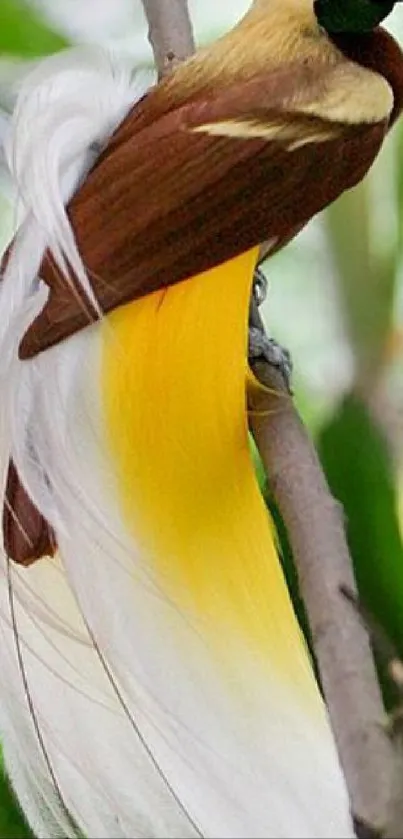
(351, 16)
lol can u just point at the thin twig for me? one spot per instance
(315, 526)
(170, 32)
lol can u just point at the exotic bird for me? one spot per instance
(155, 681)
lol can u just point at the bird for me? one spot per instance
(155, 680)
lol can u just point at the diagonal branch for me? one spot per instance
(315, 526)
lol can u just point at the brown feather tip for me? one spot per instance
(27, 536)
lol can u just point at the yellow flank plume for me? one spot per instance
(174, 372)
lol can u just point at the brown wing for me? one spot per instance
(177, 193)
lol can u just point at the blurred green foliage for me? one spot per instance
(361, 474)
(367, 275)
(12, 823)
(23, 32)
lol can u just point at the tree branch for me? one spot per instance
(170, 32)
(315, 526)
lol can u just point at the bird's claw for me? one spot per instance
(260, 345)
(260, 287)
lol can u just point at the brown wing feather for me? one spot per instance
(26, 534)
(167, 201)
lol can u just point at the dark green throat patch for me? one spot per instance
(351, 15)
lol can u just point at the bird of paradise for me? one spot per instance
(155, 681)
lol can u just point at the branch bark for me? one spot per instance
(170, 32)
(315, 526)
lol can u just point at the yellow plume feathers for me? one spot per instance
(174, 380)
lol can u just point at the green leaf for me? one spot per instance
(361, 476)
(12, 823)
(24, 32)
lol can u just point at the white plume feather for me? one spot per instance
(66, 110)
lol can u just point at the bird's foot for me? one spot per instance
(260, 345)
